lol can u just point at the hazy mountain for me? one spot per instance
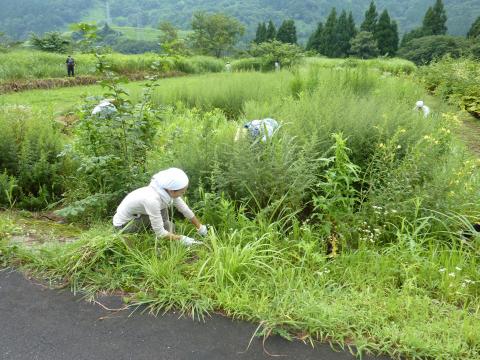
(19, 17)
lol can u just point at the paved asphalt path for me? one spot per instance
(37, 323)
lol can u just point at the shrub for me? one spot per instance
(428, 48)
(131, 46)
(455, 80)
(110, 152)
(50, 42)
(287, 55)
(30, 145)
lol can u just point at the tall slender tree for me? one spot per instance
(352, 29)
(371, 18)
(434, 22)
(386, 35)
(343, 36)
(261, 34)
(329, 38)
(287, 32)
(474, 31)
(271, 32)
(315, 40)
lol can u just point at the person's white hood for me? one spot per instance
(170, 179)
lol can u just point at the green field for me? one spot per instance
(23, 65)
(352, 169)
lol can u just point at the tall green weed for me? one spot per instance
(455, 80)
(33, 174)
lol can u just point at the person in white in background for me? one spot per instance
(277, 66)
(104, 108)
(421, 106)
(148, 207)
(228, 67)
(258, 129)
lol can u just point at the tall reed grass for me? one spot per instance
(30, 64)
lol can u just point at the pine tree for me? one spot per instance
(428, 22)
(434, 22)
(364, 45)
(287, 32)
(329, 38)
(441, 15)
(386, 35)
(342, 36)
(371, 19)
(474, 31)
(271, 32)
(315, 39)
(261, 34)
(352, 29)
(394, 39)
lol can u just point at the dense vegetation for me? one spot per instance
(352, 169)
(18, 19)
(455, 80)
(26, 65)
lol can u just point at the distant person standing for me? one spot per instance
(228, 67)
(277, 66)
(420, 106)
(70, 65)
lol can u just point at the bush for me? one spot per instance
(31, 170)
(130, 46)
(110, 153)
(455, 80)
(50, 42)
(288, 55)
(429, 48)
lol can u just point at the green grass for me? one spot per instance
(402, 283)
(387, 300)
(392, 66)
(31, 64)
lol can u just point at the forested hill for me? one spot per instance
(19, 17)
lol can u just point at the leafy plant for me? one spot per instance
(288, 55)
(50, 42)
(110, 149)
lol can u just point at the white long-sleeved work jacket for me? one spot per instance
(148, 201)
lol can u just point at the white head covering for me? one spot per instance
(419, 104)
(170, 179)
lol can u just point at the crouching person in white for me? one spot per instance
(148, 206)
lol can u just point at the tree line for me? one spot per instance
(218, 34)
(377, 35)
